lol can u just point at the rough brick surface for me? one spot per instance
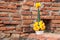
(19, 15)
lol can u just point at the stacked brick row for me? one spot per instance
(19, 15)
(49, 12)
(10, 18)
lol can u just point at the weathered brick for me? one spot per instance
(55, 8)
(1, 22)
(57, 17)
(12, 22)
(3, 14)
(43, 0)
(41, 13)
(13, 32)
(2, 28)
(26, 30)
(29, 3)
(3, 2)
(27, 22)
(15, 22)
(15, 15)
(11, 6)
(2, 7)
(10, 28)
(47, 0)
(19, 29)
(5, 18)
(46, 8)
(25, 26)
(34, 17)
(55, 13)
(25, 7)
(26, 13)
(26, 17)
(58, 28)
(7, 10)
(16, 19)
(44, 17)
(6, 22)
(57, 25)
(1, 25)
(47, 17)
(47, 4)
(51, 8)
(10, 0)
(18, 5)
(55, 21)
(56, 4)
(52, 25)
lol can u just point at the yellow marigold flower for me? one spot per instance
(38, 5)
(41, 25)
(36, 28)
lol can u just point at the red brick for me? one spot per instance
(55, 13)
(52, 38)
(46, 8)
(34, 17)
(51, 8)
(26, 13)
(12, 22)
(25, 7)
(10, 0)
(3, 2)
(15, 15)
(6, 22)
(26, 17)
(5, 18)
(44, 13)
(43, 0)
(1, 22)
(47, 4)
(52, 25)
(55, 8)
(2, 28)
(19, 29)
(25, 26)
(4, 14)
(56, 4)
(55, 21)
(7, 10)
(1, 25)
(15, 22)
(16, 19)
(10, 28)
(29, 3)
(41, 13)
(57, 25)
(47, 0)
(27, 22)
(38, 0)
(2, 7)
(27, 29)
(47, 17)
(18, 5)
(57, 17)
(10, 6)
(12, 11)
(53, 0)
(13, 32)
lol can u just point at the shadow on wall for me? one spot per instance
(47, 24)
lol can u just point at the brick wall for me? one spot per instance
(16, 16)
